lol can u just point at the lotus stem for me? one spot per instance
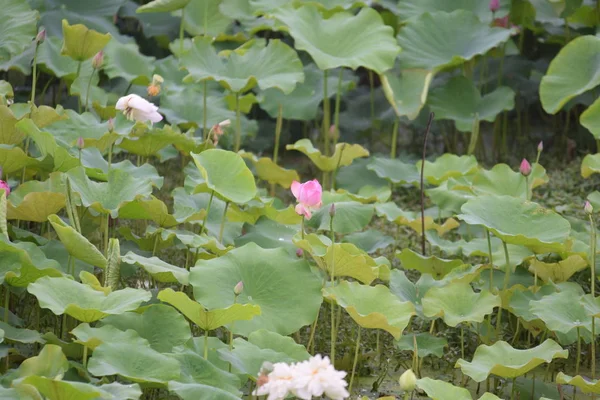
(313, 329)
(85, 355)
(110, 155)
(206, 344)
(431, 115)
(332, 276)
(238, 123)
(506, 282)
(337, 167)
(212, 194)
(106, 234)
(377, 348)
(302, 227)
(513, 391)
(78, 97)
(336, 112)
(462, 341)
(491, 258)
(394, 138)
(204, 112)
(87, 94)
(326, 115)
(181, 31)
(223, 219)
(593, 287)
(356, 350)
(231, 332)
(6, 302)
(372, 97)
(474, 135)
(278, 125)
(527, 197)
(34, 76)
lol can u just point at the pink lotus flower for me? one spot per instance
(308, 195)
(494, 5)
(525, 168)
(4, 185)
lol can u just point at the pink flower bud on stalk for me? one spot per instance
(111, 124)
(525, 168)
(540, 147)
(239, 288)
(494, 5)
(587, 207)
(332, 210)
(299, 253)
(80, 143)
(41, 36)
(98, 60)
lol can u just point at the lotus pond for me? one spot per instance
(270, 199)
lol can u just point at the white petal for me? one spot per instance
(123, 102)
(141, 104)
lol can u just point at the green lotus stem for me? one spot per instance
(181, 32)
(204, 112)
(206, 344)
(394, 138)
(85, 355)
(462, 341)
(491, 258)
(78, 97)
(513, 391)
(326, 115)
(337, 167)
(231, 332)
(110, 155)
(356, 350)
(223, 219)
(302, 227)
(238, 123)
(593, 287)
(278, 126)
(336, 112)
(87, 92)
(372, 97)
(106, 225)
(578, 350)
(507, 269)
(516, 331)
(6, 302)
(377, 348)
(313, 329)
(474, 135)
(527, 197)
(332, 276)
(212, 194)
(34, 76)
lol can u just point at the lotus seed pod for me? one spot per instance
(408, 381)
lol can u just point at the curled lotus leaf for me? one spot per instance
(343, 155)
(559, 271)
(437, 267)
(585, 384)
(441, 390)
(81, 43)
(448, 166)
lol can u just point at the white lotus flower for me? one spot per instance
(279, 383)
(139, 109)
(316, 377)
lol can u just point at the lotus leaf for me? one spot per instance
(562, 312)
(345, 259)
(395, 214)
(162, 6)
(559, 271)
(457, 303)
(433, 265)
(440, 390)
(448, 166)
(94, 337)
(503, 360)
(205, 18)
(590, 165)
(76, 244)
(350, 216)
(14, 159)
(63, 295)
(407, 93)
(53, 389)
(18, 28)
(586, 384)
(23, 263)
(427, 344)
(20, 335)
(344, 154)
(370, 240)
(502, 180)
(414, 8)
(50, 363)
(157, 268)
(394, 171)
(195, 369)
(198, 391)
(81, 43)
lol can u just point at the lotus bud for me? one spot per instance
(588, 208)
(332, 210)
(98, 60)
(525, 168)
(494, 5)
(154, 87)
(299, 253)
(80, 143)
(540, 147)
(238, 289)
(111, 124)
(41, 36)
(408, 381)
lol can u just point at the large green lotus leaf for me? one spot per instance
(81, 43)
(405, 290)
(412, 219)
(448, 166)
(369, 241)
(162, 6)
(23, 263)
(108, 197)
(346, 45)
(134, 362)
(590, 165)
(152, 209)
(9, 134)
(198, 391)
(161, 325)
(20, 335)
(457, 303)
(262, 345)
(394, 170)
(559, 271)
(226, 173)
(274, 65)
(350, 216)
(519, 301)
(502, 180)
(49, 58)
(441, 390)
(407, 91)
(205, 319)
(344, 154)
(345, 259)
(590, 119)
(373, 307)
(124, 60)
(518, 221)
(585, 384)
(63, 295)
(157, 268)
(94, 337)
(20, 392)
(427, 344)
(53, 389)
(437, 267)
(503, 360)
(473, 106)
(204, 17)
(18, 26)
(438, 40)
(155, 140)
(195, 241)
(562, 312)
(76, 244)
(35, 201)
(14, 159)
(573, 71)
(50, 363)
(408, 9)
(288, 293)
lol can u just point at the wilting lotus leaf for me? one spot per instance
(268, 171)
(134, 362)
(457, 303)
(81, 43)
(23, 263)
(373, 307)
(287, 292)
(370, 240)
(344, 154)
(562, 312)
(273, 65)
(559, 271)
(503, 360)
(473, 106)
(94, 337)
(584, 383)
(161, 325)
(345, 259)
(50, 363)
(198, 391)
(427, 344)
(157, 268)
(346, 46)
(394, 170)
(20, 335)
(448, 166)
(502, 180)
(407, 93)
(440, 390)
(76, 244)
(108, 197)
(195, 369)
(226, 173)
(438, 267)
(572, 72)
(63, 295)
(590, 165)
(412, 219)
(205, 319)
(518, 221)
(262, 345)
(19, 26)
(438, 40)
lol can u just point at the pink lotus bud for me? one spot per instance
(540, 147)
(332, 210)
(525, 168)
(98, 60)
(4, 185)
(587, 207)
(80, 143)
(494, 5)
(111, 124)
(308, 195)
(239, 288)
(299, 253)
(41, 36)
